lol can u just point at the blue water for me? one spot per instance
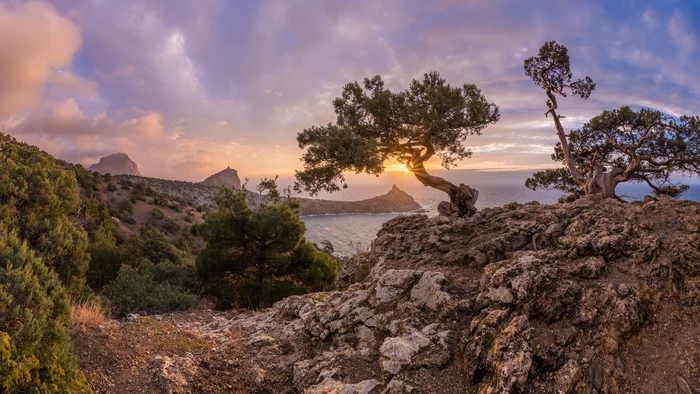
(351, 231)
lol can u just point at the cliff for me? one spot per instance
(227, 177)
(116, 164)
(396, 200)
(586, 297)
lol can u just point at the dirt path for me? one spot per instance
(149, 355)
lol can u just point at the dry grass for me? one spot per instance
(87, 314)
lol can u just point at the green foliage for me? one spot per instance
(35, 350)
(375, 124)
(551, 70)
(661, 146)
(155, 247)
(160, 290)
(157, 214)
(41, 202)
(255, 257)
(105, 261)
(556, 179)
(126, 206)
(170, 226)
(621, 145)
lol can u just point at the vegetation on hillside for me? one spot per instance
(61, 237)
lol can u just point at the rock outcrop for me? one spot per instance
(116, 164)
(586, 297)
(396, 200)
(227, 177)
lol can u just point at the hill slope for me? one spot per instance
(590, 296)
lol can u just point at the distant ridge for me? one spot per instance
(227, 177)
(116, 164)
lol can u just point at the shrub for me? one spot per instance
(157, 214)
(111, 187)
(134, 291)
(170, 226)
(105, 260)
(126, 206)
(41, 202)
(36, 354)
(156, 247)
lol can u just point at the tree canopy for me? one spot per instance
(257, 255)
(621, 145)
(374, 125)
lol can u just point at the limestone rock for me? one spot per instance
(116, 164)
(227, 177)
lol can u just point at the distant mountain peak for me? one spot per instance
(116, 164)
(226, 177)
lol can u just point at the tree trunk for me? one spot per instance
(462, 197)
(598, 179)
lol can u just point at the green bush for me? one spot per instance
(126, 206)
(156, 247)
(157, 214)
(150, 292)
(170, 226)
(41, 202)
(36, 354)
(105, 261)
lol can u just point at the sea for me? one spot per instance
(352, 232)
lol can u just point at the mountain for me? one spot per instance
(116, 164)
(227, 177)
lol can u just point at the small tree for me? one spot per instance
(257, 256)
(375, 124)
(616, 146)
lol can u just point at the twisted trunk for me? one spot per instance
(598, 179)
(462, 197)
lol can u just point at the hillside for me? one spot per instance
(591, 296)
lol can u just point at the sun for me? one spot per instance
(405, 170)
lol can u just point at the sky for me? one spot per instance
(187, 88)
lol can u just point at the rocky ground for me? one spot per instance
(586, 297)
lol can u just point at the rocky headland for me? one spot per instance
(586, 297)
(227, 177)
(116, 164)
(396, 200)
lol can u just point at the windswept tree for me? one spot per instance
(375, 124)
(622, 145)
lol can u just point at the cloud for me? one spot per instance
(189, 87)
(147, 126)
(34, 39)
